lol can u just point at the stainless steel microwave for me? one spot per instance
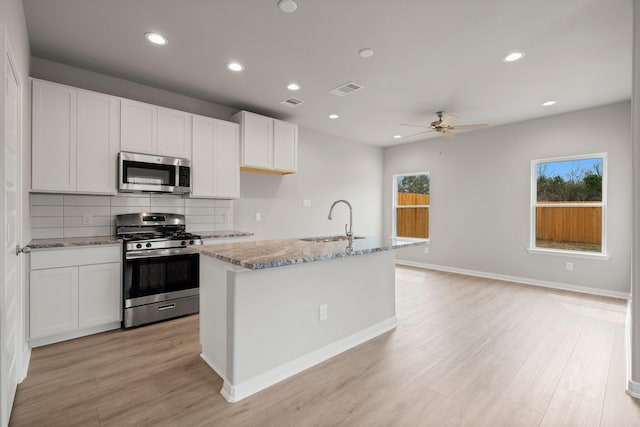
(153, 174)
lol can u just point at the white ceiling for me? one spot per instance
(430, 55)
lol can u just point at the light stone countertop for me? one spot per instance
(112, 240)
(73, 242)
(261, 254)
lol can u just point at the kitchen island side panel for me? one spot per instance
(213, 320)
(275, 313)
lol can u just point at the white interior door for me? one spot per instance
(10, 291)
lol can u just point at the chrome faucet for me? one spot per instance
(348, 232)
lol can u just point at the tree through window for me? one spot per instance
(569, 203)
(411, 205)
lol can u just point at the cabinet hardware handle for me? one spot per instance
(24, 250)
(166, 307)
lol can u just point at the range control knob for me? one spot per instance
(191, 242)
(183, 243)
(148, 245)
(139, 245)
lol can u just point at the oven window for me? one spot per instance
(148, 173)
(152, 276)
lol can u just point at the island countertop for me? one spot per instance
(261, 254)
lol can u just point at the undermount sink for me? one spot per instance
(330, 238)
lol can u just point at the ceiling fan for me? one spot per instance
(443, 126)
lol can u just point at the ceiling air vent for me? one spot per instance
(292, 102)
(346, 89)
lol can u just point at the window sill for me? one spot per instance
(570, 254)
(412, 239)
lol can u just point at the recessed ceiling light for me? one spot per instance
(234, 66)
(366, 53)
(333, 116)
(288, 6)
(548, 103)
(156, 38)
(293, 86)
(397, 136)
(514, 56)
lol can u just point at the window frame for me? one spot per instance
(395, 206)
(602, 255)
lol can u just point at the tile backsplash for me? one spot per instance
(70, 215)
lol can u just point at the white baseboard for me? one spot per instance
(515, 279)
(633, 388)
(234, 393)
(26, 359)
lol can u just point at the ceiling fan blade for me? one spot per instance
(414, 124)
(449, 135)
(448, 120)
(418, 133)
(469, 127)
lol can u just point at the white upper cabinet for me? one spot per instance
(53, 161)
(138, 131)
(75, 139)
(257, 140)
(150, 129)
(226, 159)
(215, 168)
(267, 145)
(174, 133)
(98, 133)
(285, 146)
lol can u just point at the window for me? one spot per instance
(411, 205)
(569, 204)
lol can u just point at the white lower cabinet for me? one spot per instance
(99, 299)
(74, 292)
(53, 301)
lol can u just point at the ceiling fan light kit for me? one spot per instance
(443, 126)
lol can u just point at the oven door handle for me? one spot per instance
(154, 253)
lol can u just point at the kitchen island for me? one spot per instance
(270, 309)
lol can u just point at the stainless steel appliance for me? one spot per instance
(161, 277)
(154, 174)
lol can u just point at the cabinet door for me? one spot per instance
(53, 301)
(98, 133)
(226, 160)
(285, 146)
(138, 127)
(53, 157)
(174, 133)
(202, 164)
(257, 141)
(99, 294)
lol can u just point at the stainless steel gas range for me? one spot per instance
(161, 276)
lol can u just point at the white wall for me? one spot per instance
(480, 196)
(329, 168)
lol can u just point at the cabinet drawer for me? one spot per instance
(66, 257)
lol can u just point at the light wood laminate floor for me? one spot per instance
(467, 352)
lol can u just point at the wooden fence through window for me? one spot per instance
(412, 222)
(570, 224)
